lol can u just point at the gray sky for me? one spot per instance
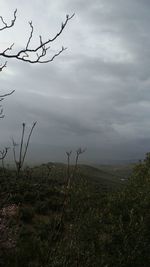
(96, 94)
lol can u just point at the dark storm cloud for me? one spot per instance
(97, 94)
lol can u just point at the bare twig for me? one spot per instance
(5, 24)
(21, 143)
(1, 99)
(39, 51)
(4, 95)
(28, 141)
(36, 54)
(14, 150)
(78, 153)
(22, 154)
(2, 66)
(31, 34)
(1, 112)
(68, 167)
(3, 155)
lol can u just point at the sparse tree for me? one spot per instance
(35, 54)
(30, 54)
(23, 148)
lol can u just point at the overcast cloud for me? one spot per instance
(96, 94)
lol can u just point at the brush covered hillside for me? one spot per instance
(103, 177)
(122, 171)
(58, 215)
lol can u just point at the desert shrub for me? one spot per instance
(42, 207)
(30, 197)
(17, 198)
(86, 227)
(26, 214)
(29, 248)
(43, 228)
(126, 220)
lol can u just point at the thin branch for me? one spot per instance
(4, 153)
(2, 66)
(5, 25)
(79, 151)
(8, 48)
(4, 95)
(31, 34)
(28, 140)
(68, 167)
(22, 154)
(21, 143)
(40, 51)
(1, 113)
(14, 150)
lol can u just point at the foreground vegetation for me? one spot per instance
(96, 220)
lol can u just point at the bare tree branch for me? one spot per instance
(14, 150)
(22, 152)
(79, 151)
(31, 34)
(2, 66)
(3, 153)
(39, 51)
(68, 153)
(4, 95)
(3, 156)
(27, 54)
(5, 25)
(1, 112)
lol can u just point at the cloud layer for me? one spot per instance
(95, 95)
